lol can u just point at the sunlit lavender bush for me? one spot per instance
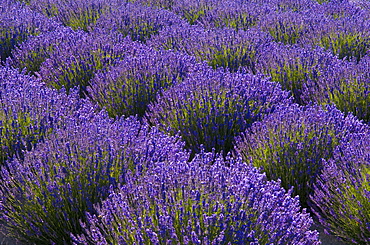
(347, 37)
(30, 111)
(137, 21)
(17, 23)
(78, 14)
(44, 198)
(226, 48)
(299, 70)
(346, 85)
(211, 107)
(200, 203)
(130, 85)
(341, 196)
(232, 14)
(74, 62)
(36, 49)
(291, 143)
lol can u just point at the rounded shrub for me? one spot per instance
(291, 143)
(200, 203)
(346, 85)
(226, 48)
(75, 62)
(30, 111)
(211, 107)
(130, 85)
(137, 21)
(78, 14)
(299, 70)
(17, 23)
(341, 198)
(31, 53)
(44, 198)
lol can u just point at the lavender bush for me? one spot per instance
(211, 107)
(43, 198)
(17, 23)
(130, 85)
(30, 111)
(346, 85)
(299, 70)
(137, 21)
(78, 14)
(74, 62)
(291, 143)
(226, 48)
(341, 196)
(199, 203)
(36, 49)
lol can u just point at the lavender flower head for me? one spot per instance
(199, 203)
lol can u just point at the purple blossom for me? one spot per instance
(198, 203)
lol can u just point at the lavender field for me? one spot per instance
(158, 122)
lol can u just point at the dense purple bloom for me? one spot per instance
(30, 111)
(290, 143)
(192, 10)
(130, 85)
(227, 48)
(200, 203)
(211, 107)
(233, 14)
(74, 62)
(137, 21)
(78, 14)
(17, 23)
(44, 197)
(341, 196)
(36, 49)
(345, 84)
(299, 70)
(347, 37)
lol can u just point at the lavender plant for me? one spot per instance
(226, 48)
(78, 14)
(297, 69)
(36, 49)
(74, 62)
(129, 86)
(347, 86)
(211, 107)
(348, 38)
(341, 197)
(17, 23)
(233, 14)
(199, 203)
(29, 112)
(137, 21)
(290, 144)
(192, 10)
(44, 198)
